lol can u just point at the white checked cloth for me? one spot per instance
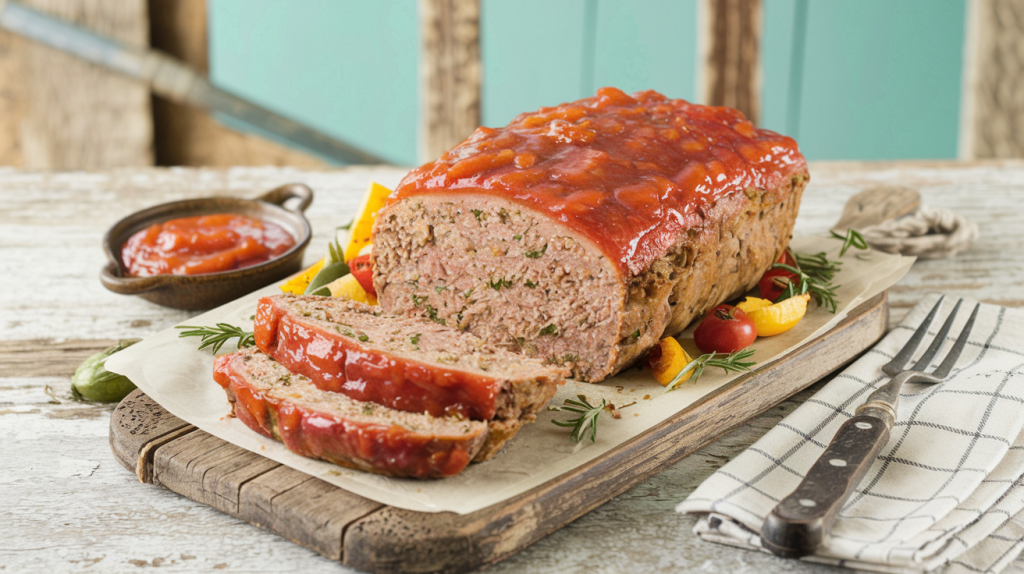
(948, 488)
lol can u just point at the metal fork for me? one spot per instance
(802, 520)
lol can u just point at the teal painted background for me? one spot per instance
(346, 67)
(850, 79)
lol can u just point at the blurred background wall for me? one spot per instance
(403, 80)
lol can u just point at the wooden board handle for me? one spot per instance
(800, 523)
(876, 205)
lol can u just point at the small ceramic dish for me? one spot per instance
(283, 206)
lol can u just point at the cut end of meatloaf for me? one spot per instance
(409, 364)
(518, 278)
(330, 426)
(503, 272)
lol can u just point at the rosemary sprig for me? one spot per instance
(814, 274)
(733, 362)
(215, 337)
(587, 419)
(851, 239)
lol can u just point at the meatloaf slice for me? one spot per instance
(408, 364)
(330, 426)
(583, 233)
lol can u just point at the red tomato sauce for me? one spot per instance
(629, 172)
(204, 244)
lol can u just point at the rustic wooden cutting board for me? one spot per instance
(162, 449)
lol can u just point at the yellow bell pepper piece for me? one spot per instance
(347, 287)
(362, 226)
(297, 284)
(751, 304)
(774, 318)
(667, 359)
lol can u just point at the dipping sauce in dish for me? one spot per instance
(203, 244)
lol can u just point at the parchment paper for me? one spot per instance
(177, 376)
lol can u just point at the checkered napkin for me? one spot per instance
(948, 488)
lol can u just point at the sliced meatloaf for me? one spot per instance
(330, 426)
(408, 364)
(582, 234)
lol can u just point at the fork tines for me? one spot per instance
(898, 363)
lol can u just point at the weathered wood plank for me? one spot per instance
(47, 358)
(731, 42)
(992, 123)
(206, 469)
(303, 509)
(141, 426)
(450, 72)
(70, 114)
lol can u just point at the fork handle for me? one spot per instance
(802, 520)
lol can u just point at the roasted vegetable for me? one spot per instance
(297, 285)
(93, 382)
(774, 318)
(348, 287)
(362, 227)
(666, 360)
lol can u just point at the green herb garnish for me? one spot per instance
(733, 362)
(215, 337)
(587, 421)
(814, 274)
(851, 239)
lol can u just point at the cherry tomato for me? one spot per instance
(775, 281)
(362, 269)
(726, 329)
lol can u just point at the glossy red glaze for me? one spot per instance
(386, 449)
(204, 244)
(337, 363)
(629, 172)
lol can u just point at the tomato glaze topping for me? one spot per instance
(629, 172)
(204, 244)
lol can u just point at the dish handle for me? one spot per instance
(111, 278)
(287, 194)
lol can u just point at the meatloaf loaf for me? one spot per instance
(407, 364)
(330, 426)
(583, 233)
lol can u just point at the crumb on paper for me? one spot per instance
(614, 411)
(647, 397)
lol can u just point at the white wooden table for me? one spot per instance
(68, 506)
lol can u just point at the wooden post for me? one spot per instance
(189, 136)
(59, 112)
(450, 74)
(992, 110)
(730, 50)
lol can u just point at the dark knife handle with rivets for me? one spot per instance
(799, 524)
